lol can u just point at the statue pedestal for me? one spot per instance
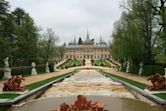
(7, 73)
(140, 71)
(47, 70)
(120, 68)
(127, 69)
(33, 72)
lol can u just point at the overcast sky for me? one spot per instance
(71, 18)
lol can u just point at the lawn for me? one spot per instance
(72, 63)
(134, 83)
(102, 63)
(33, 86)
(8, 96)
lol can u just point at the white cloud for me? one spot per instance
(71, 18)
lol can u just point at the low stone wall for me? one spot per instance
(33, 94)
(139, 93)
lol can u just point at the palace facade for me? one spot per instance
(87, 50)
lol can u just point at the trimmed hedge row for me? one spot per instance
(101, 63)
(147, 69)
(71, 63)
(26, 71)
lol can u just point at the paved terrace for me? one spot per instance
(33, 79)
(141, 79)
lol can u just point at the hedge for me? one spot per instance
(71, 63)
(153, 69)
(26, 71)
(102, 63)
(147, 69)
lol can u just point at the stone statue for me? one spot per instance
(14, 84)
(158, 82)
(6, 62)
(55, 67)
(47, 68)
(120, 67)
(141, 68)
(7, 70)
(33, 71)
(128, 67)
(82, 104)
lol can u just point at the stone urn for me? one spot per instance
(33, 71)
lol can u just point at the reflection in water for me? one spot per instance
(88, 82)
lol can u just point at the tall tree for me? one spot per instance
(126, 39)
(80, 41)
(6, 30)
(27, 36)
(137, 29)
(47, 45)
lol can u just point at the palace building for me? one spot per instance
(88, 49)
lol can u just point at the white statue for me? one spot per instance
(6, 62)
(128, 67)
(55, 68)
(33, 71)
(47, 68)
(120, 67)
(141, 68)
(7, 70)
(33, 64)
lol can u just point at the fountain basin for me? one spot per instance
(112, 104)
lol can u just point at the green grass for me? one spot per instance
(33, 86)
(135, 83)
(40, 83)
(102, 63)
(8, 96)
(72, 63)
(163, 96)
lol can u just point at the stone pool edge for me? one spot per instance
(145, 94)
(36, 92)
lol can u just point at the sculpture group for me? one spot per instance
(158, 82)
(81, 104)
(14, 84)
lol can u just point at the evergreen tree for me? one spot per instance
(80, 41)
(6, 30)
(27, 36)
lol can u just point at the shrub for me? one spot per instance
(153, 69)
(1, 74)
(102, 64)
(26, 71)
(147, 69)
(123, 68)
(134, 69)
(51, 67)
(40, 69)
